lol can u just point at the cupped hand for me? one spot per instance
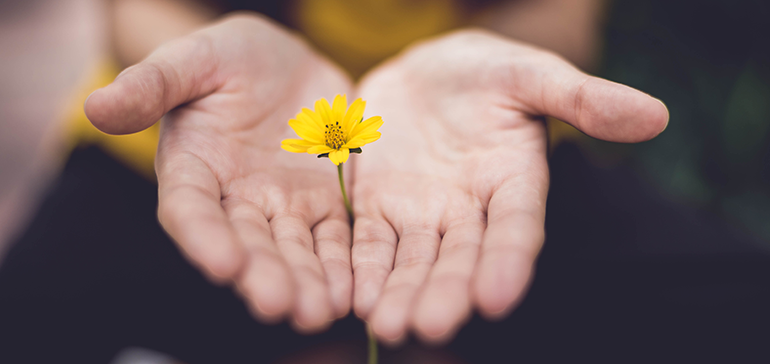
(450, 202)
(241, 208)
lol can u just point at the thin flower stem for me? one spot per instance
(344, 194)
(369, 333)
(372, 345)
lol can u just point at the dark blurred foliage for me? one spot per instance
(709, 61)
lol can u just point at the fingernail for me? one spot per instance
(499, 312)
(668, 116)
(393, 342)
(123, 72)
(437, 334)
(299, 325)
(86, 102)
(267, 312)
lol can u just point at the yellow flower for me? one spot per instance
(335, 131)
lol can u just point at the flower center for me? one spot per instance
(334, 136)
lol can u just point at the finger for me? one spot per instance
(374, 248)
(189, 210)
(602, 109)
(512, 240)
(266, 281)
(332, 245)
(176, 73)
(313, 309)
(444, 302)
(416, 253)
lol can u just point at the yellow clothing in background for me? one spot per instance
(358, 34)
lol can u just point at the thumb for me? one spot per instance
(602, 109)
(176, 73)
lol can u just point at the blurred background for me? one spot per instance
(655, 251)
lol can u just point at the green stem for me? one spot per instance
(372, 345)
(369, 333)
(344, 194)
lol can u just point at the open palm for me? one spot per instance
(239, 206)
(450, 203)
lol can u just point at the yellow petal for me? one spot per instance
(289, 148)
(369, 134)
(311, 118)
(324, 111)
(319, 149)
(371, 124)
(362, 139)
(338, 108)
(314, 115)
(355, 143)
(307, 132)
(354, 114)
(339, 156)
(296, 145)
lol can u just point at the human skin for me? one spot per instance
(450, 202)
(239, 207)
(459, 176)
